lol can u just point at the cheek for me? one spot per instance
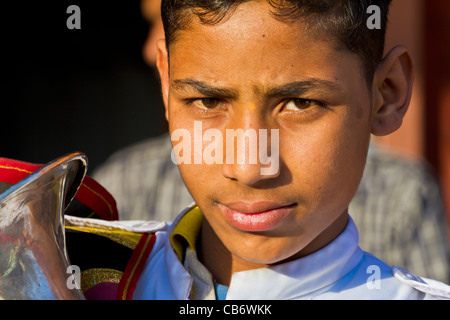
(326, 162)
(188, 150)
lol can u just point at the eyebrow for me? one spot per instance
(291, 89)
(299, 88)
(204, 88)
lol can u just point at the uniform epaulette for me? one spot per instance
(431, 287)
(110, 260)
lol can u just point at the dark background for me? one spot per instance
(89, 90)
(83, 90)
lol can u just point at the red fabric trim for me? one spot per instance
(134, 267)
(90, 193)
(12, 171)
(93, 195)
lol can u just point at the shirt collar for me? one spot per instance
(303, 277)
(186, 231)
(184, 242)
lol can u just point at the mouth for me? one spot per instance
(256, 216)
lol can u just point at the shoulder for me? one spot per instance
(393, 165)
(432, 288)
(140, 153)
(373, 279)
(135, 163)
(396, 283)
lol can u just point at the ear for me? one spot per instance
(162, 63)
(392, 90)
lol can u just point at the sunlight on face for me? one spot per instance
(253, 72)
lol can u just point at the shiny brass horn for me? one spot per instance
(33, 259)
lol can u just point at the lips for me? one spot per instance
(256, 216)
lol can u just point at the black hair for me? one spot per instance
(343, 20)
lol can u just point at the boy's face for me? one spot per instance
(252, 71)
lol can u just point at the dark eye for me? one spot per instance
(300, 104)
(207, 103)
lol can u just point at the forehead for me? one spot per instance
(241, 23)
(250, 41)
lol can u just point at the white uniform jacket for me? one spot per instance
(341, 270)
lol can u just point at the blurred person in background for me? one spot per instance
(398, 207)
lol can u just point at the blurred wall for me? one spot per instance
(406, 27)
(75, 90)
(437, 77)
(424, 27)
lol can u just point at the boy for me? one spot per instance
(311, 77)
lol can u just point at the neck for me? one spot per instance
(218, 259)
(222, 263)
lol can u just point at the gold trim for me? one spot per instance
(15, 168)
(92, 277)
(126, 238)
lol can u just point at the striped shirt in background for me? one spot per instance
(398, 207)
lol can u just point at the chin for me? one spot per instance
(267, 251)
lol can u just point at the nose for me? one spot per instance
(251, 155)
